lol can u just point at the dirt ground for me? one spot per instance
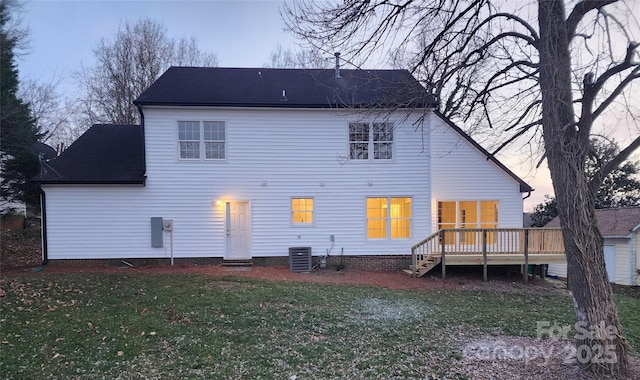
(21, 248)
(457, 279)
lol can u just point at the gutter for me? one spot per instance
(43, 227)
(141, 181)
(630, 245)
(282, 104)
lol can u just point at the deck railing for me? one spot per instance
(488, 241)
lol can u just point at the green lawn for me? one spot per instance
(126, 326)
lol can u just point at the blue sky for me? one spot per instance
(64, 33)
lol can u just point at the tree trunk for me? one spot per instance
(600, 345)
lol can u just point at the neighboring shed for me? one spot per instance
(620, 228)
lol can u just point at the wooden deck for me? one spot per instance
(487, 246)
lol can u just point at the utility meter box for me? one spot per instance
(156, 232)
(167, 224)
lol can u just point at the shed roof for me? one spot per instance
(286, 88)
(612, 221)
(104, 154)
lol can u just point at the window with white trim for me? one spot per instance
(469, 215)
(370, 141)
(302, 210)
(389, 217)
(201, 140)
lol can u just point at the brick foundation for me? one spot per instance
(381, 263)
(134, 262)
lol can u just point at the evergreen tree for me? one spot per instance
(18, 131)
(544, 212)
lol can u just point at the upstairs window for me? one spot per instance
(214, 136)
(189, 139)
(201, 140)
(370, 141)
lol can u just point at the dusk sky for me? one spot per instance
(241, 34)
(64, 33)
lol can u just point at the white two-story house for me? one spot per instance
(247, 163)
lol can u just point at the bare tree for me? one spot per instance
(51, 112)
(128, 65)
(297, 59)
(534, 72)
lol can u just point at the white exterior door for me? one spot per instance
(610, 261)
(238, 225)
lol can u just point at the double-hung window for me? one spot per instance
(302, 210)
(370, 141)
(201, 140)
(389, 217)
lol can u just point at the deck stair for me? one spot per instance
(424, 256)
(425, 265)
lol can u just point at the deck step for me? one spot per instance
(237, 263)
(424, 266)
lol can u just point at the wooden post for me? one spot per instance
(533, 273)
(484, 255)
(444, 266)
(526, 256)
(414, 261)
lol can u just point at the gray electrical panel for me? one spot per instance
(300, 259)
(156, 232)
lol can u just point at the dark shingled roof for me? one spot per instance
(105, 154)
(612, 221)
(286, 88)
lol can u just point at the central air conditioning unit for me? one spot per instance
(300, 259)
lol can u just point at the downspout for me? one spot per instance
(43, 226)
(144, 143)
(528, 195)
(632, 269)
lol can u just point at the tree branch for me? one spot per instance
(521, 132)
(581, 9)
(591, 90)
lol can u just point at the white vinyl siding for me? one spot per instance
(272, 155)
(461, 172)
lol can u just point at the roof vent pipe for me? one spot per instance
(337, 65)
